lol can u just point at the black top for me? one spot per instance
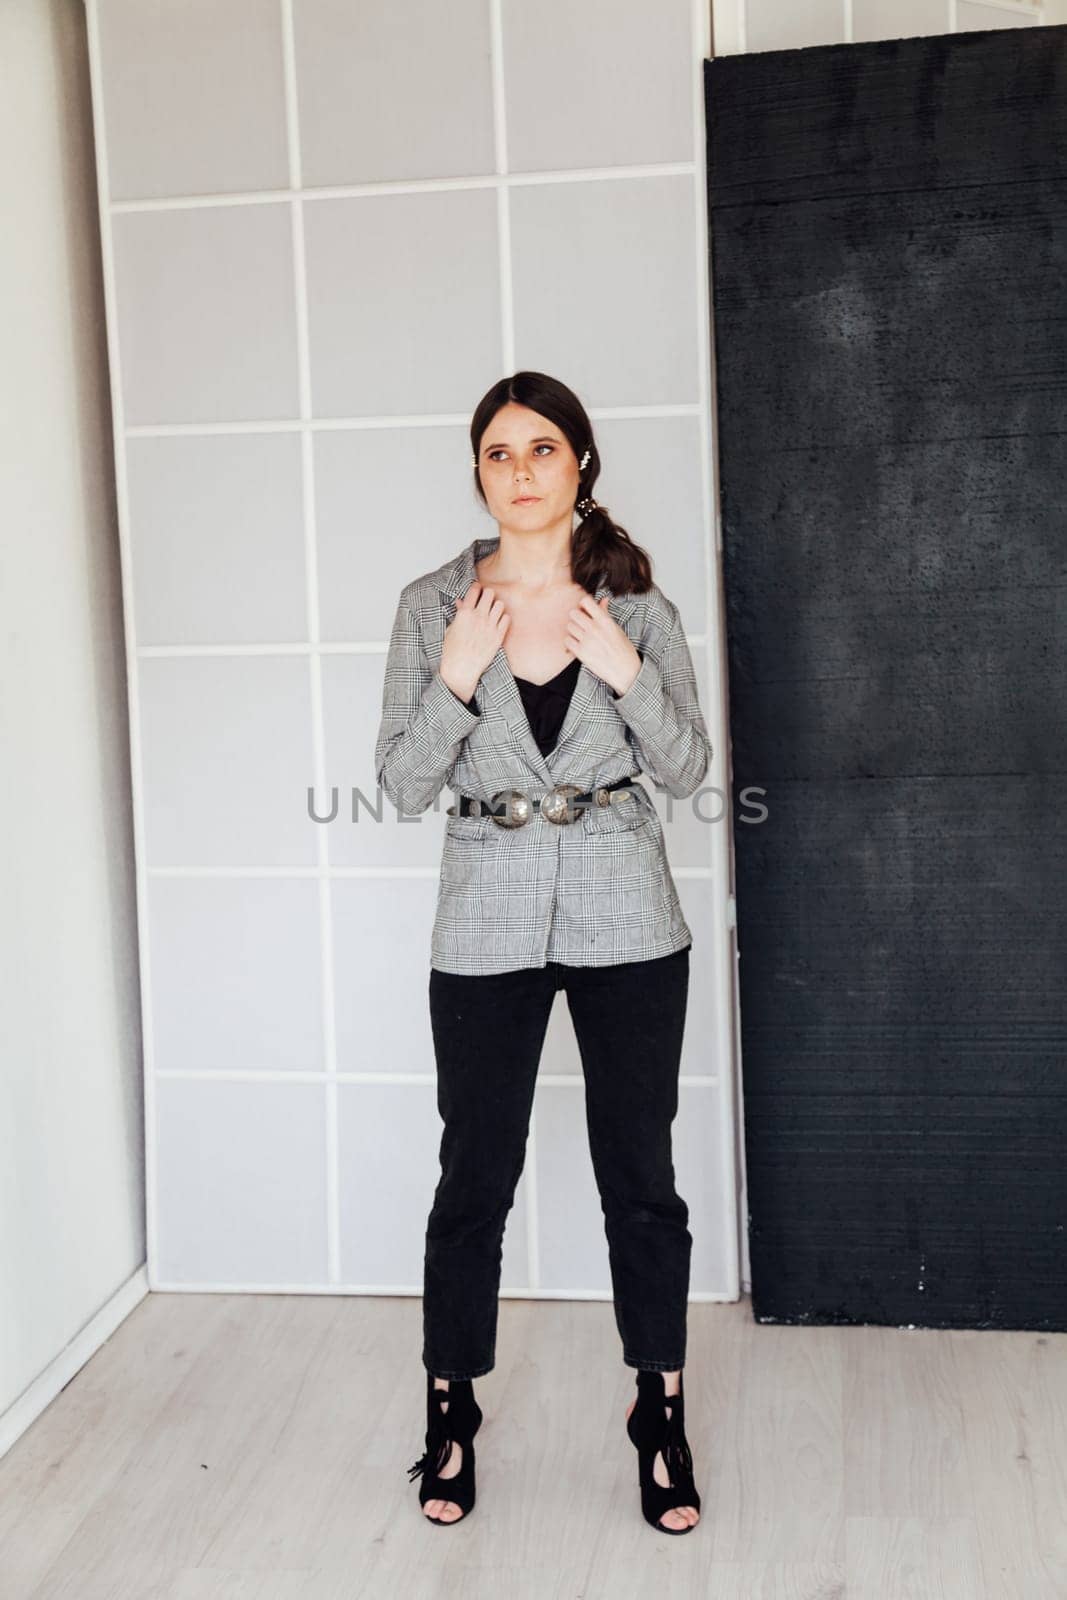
(546, 703)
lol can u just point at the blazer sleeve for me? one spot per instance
(423, 723)
(662, 710)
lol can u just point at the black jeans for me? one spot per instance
(488, 1031)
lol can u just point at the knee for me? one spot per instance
(469, 1206)
(647, 1209)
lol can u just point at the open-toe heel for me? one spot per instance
(457, 1425)
(651, 1431)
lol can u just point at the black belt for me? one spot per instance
(510, 808)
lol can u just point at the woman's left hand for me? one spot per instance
(596, 639)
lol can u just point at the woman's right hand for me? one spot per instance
(472, 639)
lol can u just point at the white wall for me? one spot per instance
(71, 1133)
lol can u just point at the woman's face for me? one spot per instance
(528, 470)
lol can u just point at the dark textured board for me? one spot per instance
(889, 281)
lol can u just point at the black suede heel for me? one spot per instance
(650, 1430)
(459, 1424)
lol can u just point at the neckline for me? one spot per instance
(548, 681)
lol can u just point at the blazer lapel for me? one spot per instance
(497, 683)
(497, 686)
(585, 688)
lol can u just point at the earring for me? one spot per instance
(474, 461)
(584, 462)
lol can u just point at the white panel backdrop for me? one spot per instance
(327, 229)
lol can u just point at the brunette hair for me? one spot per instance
(600, 548)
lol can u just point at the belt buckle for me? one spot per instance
(556, 806)
(516, 808)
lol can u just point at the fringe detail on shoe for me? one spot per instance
(676, 1452)
(438, 1448)
(436, 1453)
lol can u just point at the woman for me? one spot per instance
(537, 673)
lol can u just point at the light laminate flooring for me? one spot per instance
(251, 1447)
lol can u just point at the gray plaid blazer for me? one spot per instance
(591, 892)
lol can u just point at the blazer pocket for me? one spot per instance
(468, 827)
(631, 810)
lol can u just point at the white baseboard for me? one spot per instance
(42, 1391)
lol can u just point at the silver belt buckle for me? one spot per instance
(556, 804)
(517, 808)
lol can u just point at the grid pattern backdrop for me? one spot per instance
(326, 230)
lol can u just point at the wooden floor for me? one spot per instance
(256, 1448)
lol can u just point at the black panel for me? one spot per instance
(889, 272)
